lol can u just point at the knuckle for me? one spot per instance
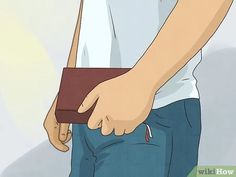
(63, 135)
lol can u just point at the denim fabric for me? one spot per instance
(168, 149)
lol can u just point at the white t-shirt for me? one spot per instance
(115, 33)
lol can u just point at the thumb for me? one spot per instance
(89, 100)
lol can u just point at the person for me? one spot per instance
(147, 122)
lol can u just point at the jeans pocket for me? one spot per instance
(192, 109)
(142, 134)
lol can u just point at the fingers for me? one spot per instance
(63, 131)
(95, 119)
(129, 130)
(53, 128)
(53, 136)
(106, 124)
(89, 100)
(69, 135)
(107, 127)
(119, 131)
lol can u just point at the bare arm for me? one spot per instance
(188, 28)
(59, 134)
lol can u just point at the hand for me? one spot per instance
(58, 133)
(122, 104)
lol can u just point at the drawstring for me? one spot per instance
(148, 133)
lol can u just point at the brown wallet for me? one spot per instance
(76, 83)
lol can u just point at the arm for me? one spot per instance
(188, 28)
(59, 134)
(186, 31)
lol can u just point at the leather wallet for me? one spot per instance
(75, 84)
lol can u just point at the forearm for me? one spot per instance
(188, 28)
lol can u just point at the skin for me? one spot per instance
(185, 32)
(59, 133)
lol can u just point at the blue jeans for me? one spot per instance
(165, 145)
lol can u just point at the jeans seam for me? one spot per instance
(186, 115)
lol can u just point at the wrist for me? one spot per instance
(143, 77)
